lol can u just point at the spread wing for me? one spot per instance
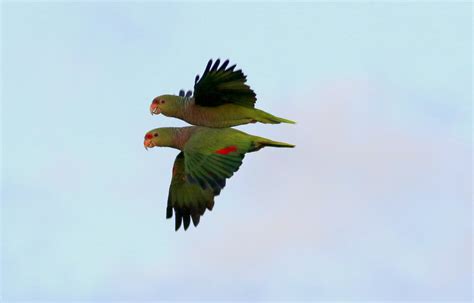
(211, 170)
(213, 156)
(188, 201)
(221, 85)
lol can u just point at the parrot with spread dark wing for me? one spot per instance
(221, 99)
(208, 157)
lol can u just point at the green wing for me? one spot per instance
(189, 201)
(214, 155)
(211, 171)
(220, 85)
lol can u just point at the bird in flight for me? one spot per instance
(211, 151)
(207, 158)
(221, 99)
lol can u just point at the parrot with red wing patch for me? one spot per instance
(221, 99)
(208, 157)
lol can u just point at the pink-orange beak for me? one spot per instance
(148, 143)
(154, 108)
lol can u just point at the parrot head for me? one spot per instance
(158, 137)
(166, 104)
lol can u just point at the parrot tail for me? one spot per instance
(267, 118)
(262, 142)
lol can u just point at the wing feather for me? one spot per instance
(220, 85)
(188, 201)
(214, 170)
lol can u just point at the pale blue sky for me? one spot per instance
(374, 203)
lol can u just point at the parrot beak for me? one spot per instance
(148, 144)
(154, 109)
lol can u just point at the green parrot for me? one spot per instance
(208, 157)
(221, 99)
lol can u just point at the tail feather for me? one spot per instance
(277, 144)
(265, 117)
(262, 142)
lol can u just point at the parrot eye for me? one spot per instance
(148, 136)
(162, 101)
(155, 134)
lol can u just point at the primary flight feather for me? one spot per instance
(188, 201)
(221, 99)
(208, 157)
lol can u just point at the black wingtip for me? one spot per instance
(169, 212)
(195, 217)
(224, 65)
(216, 64)
(210, 205)
(189, 93)
(220, 183)
(186, 221)
(208, 66)
(196, 79)
(178, 220)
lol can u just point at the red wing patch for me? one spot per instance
(226, 150)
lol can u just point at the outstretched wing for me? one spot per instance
(211, 170)
(188, 201)
(214, 155)
(220, 85)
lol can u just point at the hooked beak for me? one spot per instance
(148, 144)
(154, 109)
